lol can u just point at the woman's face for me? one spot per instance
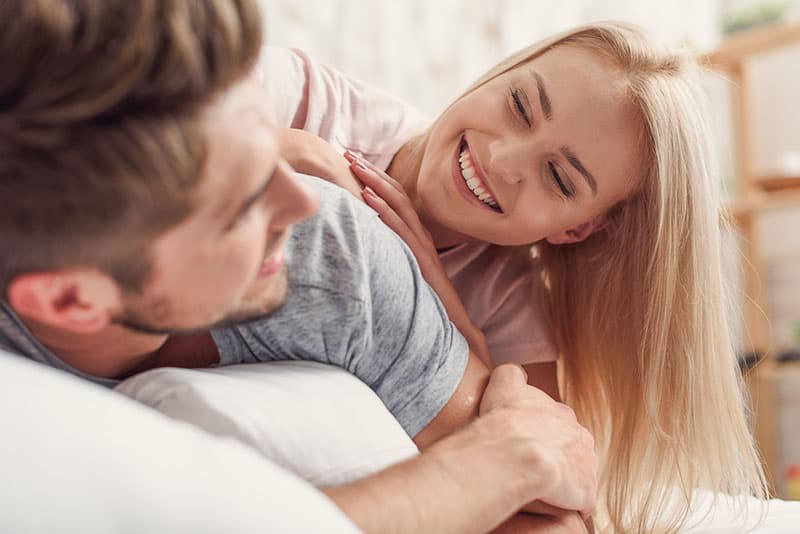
(541, 151)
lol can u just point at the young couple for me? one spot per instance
(152, 210)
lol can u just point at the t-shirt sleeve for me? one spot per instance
(346, 112)
(358, 301)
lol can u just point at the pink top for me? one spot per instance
(495, 284)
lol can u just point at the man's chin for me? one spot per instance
(141, 326)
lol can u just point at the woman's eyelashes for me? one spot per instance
(563, 185)
(519, 101)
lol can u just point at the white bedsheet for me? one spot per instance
(779, 517)
(326, 426)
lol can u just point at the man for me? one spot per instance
(145, 202)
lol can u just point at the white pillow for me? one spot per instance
(78, 458)
(316, 420)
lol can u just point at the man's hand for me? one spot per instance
(563, 467)
(525, 449)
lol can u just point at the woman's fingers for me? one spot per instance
(399, 202)
(390, 217)
(352, 157)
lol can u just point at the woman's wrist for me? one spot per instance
(477, 343)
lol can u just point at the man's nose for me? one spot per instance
(295, 200)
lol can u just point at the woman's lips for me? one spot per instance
(461, 185)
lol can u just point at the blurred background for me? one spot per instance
(428, 51)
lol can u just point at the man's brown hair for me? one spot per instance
(100, 137)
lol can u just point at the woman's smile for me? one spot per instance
(470, 179)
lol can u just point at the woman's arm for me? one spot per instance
(347, 113)
(310, 154)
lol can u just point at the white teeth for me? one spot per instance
(472, 180)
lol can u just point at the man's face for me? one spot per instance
(224, 263)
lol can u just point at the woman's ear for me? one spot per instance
(578, 233)
(81, 301)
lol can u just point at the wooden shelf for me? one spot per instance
(748, 43)
(755, 194)
(773, 192)
(778, 183)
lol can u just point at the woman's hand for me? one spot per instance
(310, 154)
(388, 198)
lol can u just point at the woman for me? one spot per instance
(592, 147)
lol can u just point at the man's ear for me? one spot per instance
(80, 301)
(578, 233)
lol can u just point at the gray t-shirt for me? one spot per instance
(357, 300)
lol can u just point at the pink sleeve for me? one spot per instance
(347, 113)
(283, 75)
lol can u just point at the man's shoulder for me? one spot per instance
(332, 248)
(340, 214)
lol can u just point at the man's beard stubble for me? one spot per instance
(144, 319)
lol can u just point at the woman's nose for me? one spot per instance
(505, 162)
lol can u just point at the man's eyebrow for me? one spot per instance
(573, 159)
(252, 199)
(544, 98)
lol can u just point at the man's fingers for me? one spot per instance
(504, 386)
(509, 374)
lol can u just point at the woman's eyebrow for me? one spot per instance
(575, 162)
(544, 99)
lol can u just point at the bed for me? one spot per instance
(77, 458)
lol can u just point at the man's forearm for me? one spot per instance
(524, 447)
(459, 485)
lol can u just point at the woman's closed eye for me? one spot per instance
(519, 101)
(564, 186)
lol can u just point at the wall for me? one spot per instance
(427, 51)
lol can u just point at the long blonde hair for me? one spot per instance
(639, 310)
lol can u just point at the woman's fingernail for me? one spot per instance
(350, 155)
(369, 192)
(360, 164)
